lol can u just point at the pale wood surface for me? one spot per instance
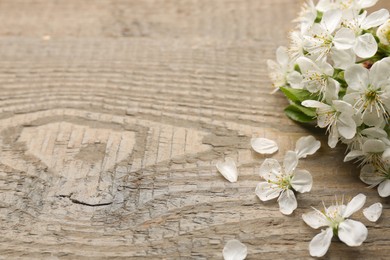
(113, 114)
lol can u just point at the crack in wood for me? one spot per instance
(84, 203)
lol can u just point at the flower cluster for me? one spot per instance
(283, 182)
(337, 71)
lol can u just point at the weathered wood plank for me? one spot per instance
(113, 114)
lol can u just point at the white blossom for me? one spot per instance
(335, 218)
(281, 72)
(320, 39)
(374, 176)
(369, 91)
(317, 77)
(337, 118)
(280, 182)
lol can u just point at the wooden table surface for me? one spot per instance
(114, 113)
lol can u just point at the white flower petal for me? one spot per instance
(352, 97)
(382, 32)
(276, 73)
(354, 205)
(270, 169)
(315, 104)
(332, 90)
(384, 188)
(363, 4)
(267, 191)
(370, 176)
(282, 56)
(373, 146)
(307, 65)
(375, 132)
(352, 232)
(373, 118)
(366, 46)
(290, 162)
(294, 78)
(379, 73)
(373, 212)
(315, 219)
(319, 245)
(302, 181)
(343, 59)
(375, 19)
(343, 107)
(326, 68)
(323, 5)
(333, 137)
(307, 145)
(344, 39)
(234, 250)
(331, 19)
(287, 202)
(228, 169)
(357, 77)
(346, 126)
(264, 145)
(386, 156)
(354, 154)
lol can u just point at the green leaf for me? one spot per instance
(297, 95)
(299, 113)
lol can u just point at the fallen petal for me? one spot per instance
(264, 145)
(307, 145)
(234, 250)
(373, 212)
(228, 169)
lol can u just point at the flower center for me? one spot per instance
(370, 100)
(326, 40)
(334, 217)
(283, 182)
(371, 96)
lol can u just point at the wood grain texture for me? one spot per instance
(114, 113)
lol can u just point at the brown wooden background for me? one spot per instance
(113, 114)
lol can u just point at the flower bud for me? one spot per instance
(383, 33)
